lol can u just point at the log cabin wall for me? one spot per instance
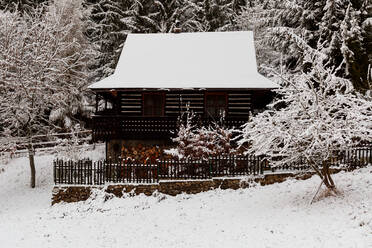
(126, 120)
(176, 102)
(238, 103)
(130, 103)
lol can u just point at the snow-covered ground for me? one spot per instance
(278, 215)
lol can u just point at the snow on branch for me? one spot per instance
(200, 142)
(44, 60)
(316, 114)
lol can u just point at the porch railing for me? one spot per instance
(139, 127)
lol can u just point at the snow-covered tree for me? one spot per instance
(219, 15)
(367, 30)
(258, 17)
(108, 33)
(318, 23)
(43, 69)
(68, 148)
(212, 140)
(112, 20)
(185, 135)
(78, 54)
(316, 115)
(20, 5)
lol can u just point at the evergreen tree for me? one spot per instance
(20, 5)
(367, 30)
(107, 33)
(114, 19)
(318, 23)
(219, 15)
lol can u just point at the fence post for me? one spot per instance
(117, 171)
(60, 170)
(103, 172)
(54, 171)
(148, 172)
(157, 169)
(249, 169)
(231, 164)
(70, 174)
(261, 165)
(210, 166)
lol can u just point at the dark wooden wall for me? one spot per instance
(176, 103)
(239, 103)
(130, 103)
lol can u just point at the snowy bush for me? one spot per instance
(316, 114)
(70, 148)
(202, 142)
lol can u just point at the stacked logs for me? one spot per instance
(143, 153)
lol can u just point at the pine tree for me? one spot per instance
(354, 54)
(20, 5)
(107, 33)
(112, 20)
(318, 24)
(367, 30)
(218, 15)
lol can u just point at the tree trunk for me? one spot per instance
(32, 166)
(327, 179)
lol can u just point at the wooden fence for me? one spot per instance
(130, 172)
(184, 169)
(83, 172)
(237, 165)
(18, 146)
(87, 172)
(353, 158)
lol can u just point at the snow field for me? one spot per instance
(278, 215)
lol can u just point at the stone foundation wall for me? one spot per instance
(70, 194)
(82, 193)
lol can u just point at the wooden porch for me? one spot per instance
(106, 127)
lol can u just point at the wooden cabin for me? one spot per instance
(158, 75)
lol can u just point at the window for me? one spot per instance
(105, 103)
(215, 104)
(153, 104)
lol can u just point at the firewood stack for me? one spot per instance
(142, 153)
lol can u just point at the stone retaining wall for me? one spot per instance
(82, 193)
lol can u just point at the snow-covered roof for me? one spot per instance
(209, 60)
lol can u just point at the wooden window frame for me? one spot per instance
(213, 94)
(162, 103)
